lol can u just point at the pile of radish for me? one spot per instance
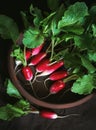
(39, 59)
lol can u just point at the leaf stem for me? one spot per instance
(52, 49)
(25, 62)
(71, 77)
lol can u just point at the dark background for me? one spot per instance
(87, 118)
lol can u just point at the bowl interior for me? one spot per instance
(37, 92)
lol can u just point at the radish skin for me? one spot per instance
(27, 73)
(53, 115)
(37, 50)
(37, 58)
(42, 66)
(51, 68)
(27, 54)
(57, 86)
(58, 75)
(48, 114)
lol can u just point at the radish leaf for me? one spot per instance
(18, 54)
(83, 85)
(8, 28)
(32, 38)
(11, 90)
(87, 64)
(8, 112)
(74, 14)
(92, 55)
(37, 15)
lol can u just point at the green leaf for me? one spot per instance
(61, 54)
(84, 41)
(59, 12)
(23, 104)
(18, 54)
(8, 112)
(92, 55)
(53, 4)
(36, 13)
(55, 31)
(11, 90)
(72, 60)
(74, 29)
(94, 29)
(46, 21)
(74, 14)
(55, 19)
(83, 85)
(8, 28)
(87, 64)
(32, 38)
(66, 37)
(92, 11)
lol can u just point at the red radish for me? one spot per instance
(28, 54)
(37, 58)
(48, 114)
(36, 50)
(53, 115)
(42, 66)
(51, 68)
(57, 86)
(33, 51)
(58, 75)
(27, 72)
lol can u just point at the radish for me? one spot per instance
(60, 84)
(51, 68)
(33, 51)
(37, 58)
(53, 115)
(48, 114)
(42, 66)
(27, 73)
(57, 86)
(28, 54)
(58, 75)
(37, 50)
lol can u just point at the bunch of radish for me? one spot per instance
(26, 70)
(44, 67)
